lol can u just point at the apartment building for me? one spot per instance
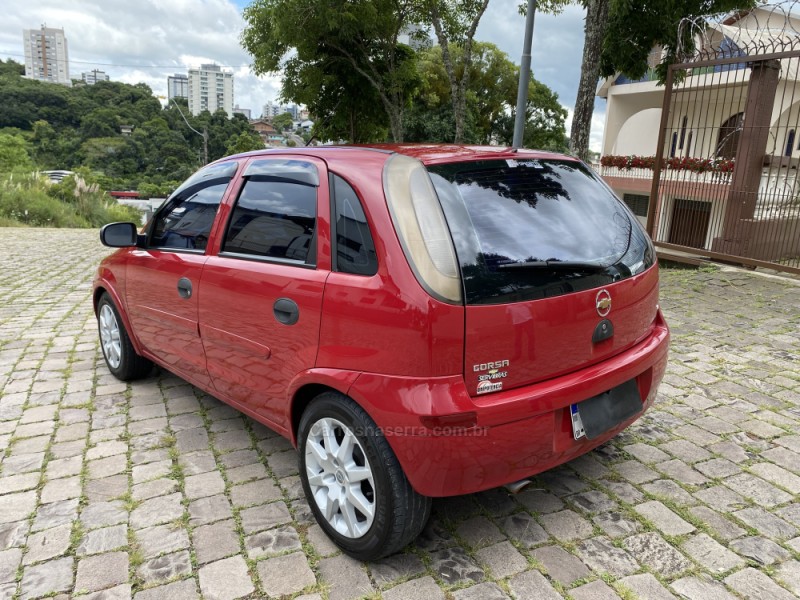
(46, 55)
(210, 88)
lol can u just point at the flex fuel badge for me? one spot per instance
(484, 387)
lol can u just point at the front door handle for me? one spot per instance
(184, 288)
(286, 311)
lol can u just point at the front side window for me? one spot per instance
(274, 217)
(184, 223)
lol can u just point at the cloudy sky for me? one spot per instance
(147, 40)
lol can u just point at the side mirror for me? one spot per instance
(119, 235)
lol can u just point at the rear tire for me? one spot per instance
(118, 351)
(353, 481)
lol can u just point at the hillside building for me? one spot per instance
(211, 89)
(46, 55)
(177, 86)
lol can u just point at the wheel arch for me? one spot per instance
(302, 398)
(310, 384)
(103, 288)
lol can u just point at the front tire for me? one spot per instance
(121, 357)
(353, 482)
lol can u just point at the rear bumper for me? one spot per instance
(517, 433)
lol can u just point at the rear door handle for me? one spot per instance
(286, 311)
(184, 288)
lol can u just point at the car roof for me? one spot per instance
(444, 153)
(428, 154)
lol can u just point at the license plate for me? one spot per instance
(593, 417)
(577, 425)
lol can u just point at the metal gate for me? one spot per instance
(725, 179)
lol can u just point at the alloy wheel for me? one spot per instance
(110, 336)
(340, 477)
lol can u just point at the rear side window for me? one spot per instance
(274, 218)
(355, 249)
(528, 229)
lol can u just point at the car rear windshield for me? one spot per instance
(528, 229)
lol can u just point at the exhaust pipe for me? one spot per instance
(517, 486)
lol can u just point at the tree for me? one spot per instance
(491, 98)
(244, 142)
(594, 33)
(14, 153)
(101, 122)
(344, 107)
(11, 67)
(544, 121)
(634, 29)
(455, 22)
(282, 122)
(321, 36)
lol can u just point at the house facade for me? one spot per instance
(267, 132)
(731, 137)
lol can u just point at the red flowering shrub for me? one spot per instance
(687, 163)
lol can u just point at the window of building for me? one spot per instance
(355, 249)
(674, 146)
(683, 132)
(789, 143)
(638, 203)
(728, 137)
(274, 217)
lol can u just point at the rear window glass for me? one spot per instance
(527, 229)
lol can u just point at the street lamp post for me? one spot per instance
(524, 76)
(204, 134)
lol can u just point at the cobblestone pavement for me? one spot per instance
(155, 490)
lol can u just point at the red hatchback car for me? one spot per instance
(419, 321)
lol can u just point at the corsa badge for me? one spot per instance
(603, 303)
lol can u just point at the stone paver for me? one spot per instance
(46, 578)
(345, 576)
(102, 571)
(663, 518)
(286, 574)
(699, 499)
(215, 541)
(424, 588)
(646, 586)
(225, 579)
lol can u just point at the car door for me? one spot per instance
(163, 278)
(262, 294)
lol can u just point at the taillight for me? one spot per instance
(421, 227)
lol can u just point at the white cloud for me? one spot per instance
(143, 41)
(148, 40)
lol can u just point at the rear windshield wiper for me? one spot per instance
(554, 264)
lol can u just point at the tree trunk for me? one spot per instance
(594, 31)
(458, 88)
(396, 124)
(459, 107)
